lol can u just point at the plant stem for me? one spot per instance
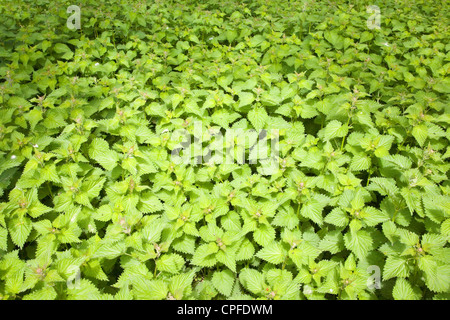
(50, 190)
(368, 178)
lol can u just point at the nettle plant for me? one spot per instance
(224, 150)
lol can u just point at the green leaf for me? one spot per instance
(420, 132)
(184, 244)
(3, 238)
(104, 213)
(360, 162)
(395, 267)
(258, 117)
(264, 235)
(49, 173)
(100, 152)
(84, 290)
(313, 210)
(62, 48)
(14, 282)
(245, 98)
(440, 280)
(228, 258)
(19, 230)
(110, 250)
(272, 253)
(150, 289)
(47, 293)
(171, 263)
(403, 290)
(205, 256)
(223, 281)
(333, 242)
(180, 285)
(335, 129)
(149, 204)
(246, 250)
(37, 209)
(304, 253)
(252, 280)
(334, 38)
(359, 242)
(337, 217)
(373, 216)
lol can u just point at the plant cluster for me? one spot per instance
(92, 205)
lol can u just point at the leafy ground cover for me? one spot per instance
(93, 205)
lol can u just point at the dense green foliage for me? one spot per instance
(93, 207)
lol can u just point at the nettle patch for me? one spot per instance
(216, 150)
